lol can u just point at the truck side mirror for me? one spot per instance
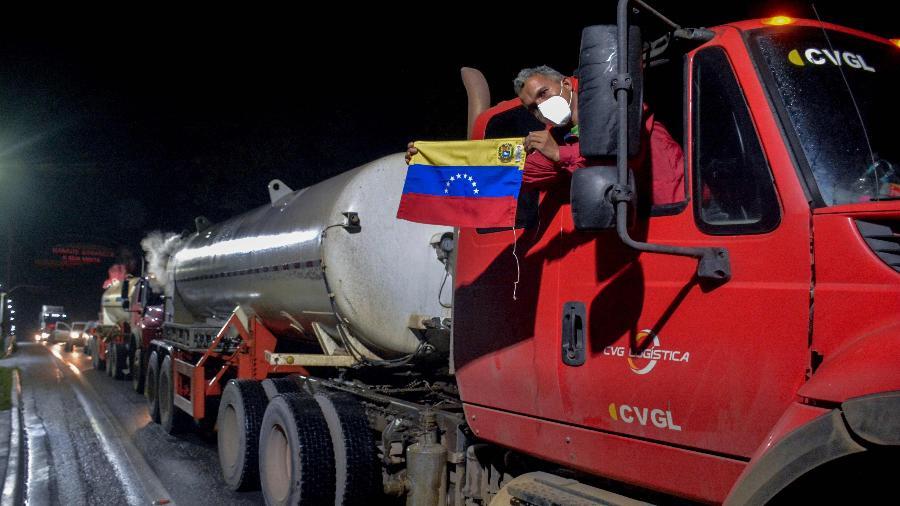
(598, 119)
(591, 207)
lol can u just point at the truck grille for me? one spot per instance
(884, 239)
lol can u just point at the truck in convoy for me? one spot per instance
(738, 346)
(50, 316)
(130, 317)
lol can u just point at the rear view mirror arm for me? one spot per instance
(713, 264)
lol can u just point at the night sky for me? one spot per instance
(115, 125)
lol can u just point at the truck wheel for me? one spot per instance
(296, 463)
(172, 419)
(241, 411)
(357, 470)
(122, 361)
(117, 356)
(137, 368)
(95, 357)
(110, 359)
(275, 386)
(152, 384)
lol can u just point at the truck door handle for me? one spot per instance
(574, 331)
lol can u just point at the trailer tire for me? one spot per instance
(172, 419)
(357, 470)
(95, 357)
(117, 356)
(136, 367)
(151, 392)
(240, 415)
(296, 463)
(110, 359)
(275, 386)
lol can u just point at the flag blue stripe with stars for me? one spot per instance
(464, 181)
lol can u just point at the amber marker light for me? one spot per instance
(895, 42)
(778, 20)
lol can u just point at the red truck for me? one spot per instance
(131, 317)
(739, 346)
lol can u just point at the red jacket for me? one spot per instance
(666, 163)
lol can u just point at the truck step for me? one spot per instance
(544, 489)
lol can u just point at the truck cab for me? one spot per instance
(627, 364)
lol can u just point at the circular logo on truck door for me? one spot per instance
(636, 360)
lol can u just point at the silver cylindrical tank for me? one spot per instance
(111, 302)
(385, 275)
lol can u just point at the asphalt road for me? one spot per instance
(91, 441)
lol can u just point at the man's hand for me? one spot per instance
(542, 141)
(410, 151)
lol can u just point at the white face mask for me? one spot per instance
(556, 109)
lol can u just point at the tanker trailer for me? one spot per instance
(323, 280)
(108, 346)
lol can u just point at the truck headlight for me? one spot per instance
(73, 335)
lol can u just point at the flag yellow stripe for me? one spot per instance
(464, 153)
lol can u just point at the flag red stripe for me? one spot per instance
(458, 211)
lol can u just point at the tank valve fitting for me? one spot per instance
(351, 222)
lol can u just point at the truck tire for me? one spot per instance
(240, 416)
(357, 470)
(95, 357)
(296, 463)
(152, 386)
(275, 386)
(110, 359)
(117, 356)
(172, 419)
(136, 367)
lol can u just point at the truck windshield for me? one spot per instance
(838, 100)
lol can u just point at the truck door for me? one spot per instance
(669, 359)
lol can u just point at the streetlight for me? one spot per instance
(4, 300)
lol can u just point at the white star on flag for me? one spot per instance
(475, 191)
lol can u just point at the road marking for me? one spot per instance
(14, 461)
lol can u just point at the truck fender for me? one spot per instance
(872, 418)
(822, 440)
(875, 418)
(862, 366)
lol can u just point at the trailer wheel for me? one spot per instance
(296, 463)
(136, 367)
(117, 356)
(110, 359)
(275, 386)
(357, 470)
(95, 356)
(172, 419)
(240, 415)
(152, 384)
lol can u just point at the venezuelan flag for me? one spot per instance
(464, 183)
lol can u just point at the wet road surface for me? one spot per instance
(91, 441)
